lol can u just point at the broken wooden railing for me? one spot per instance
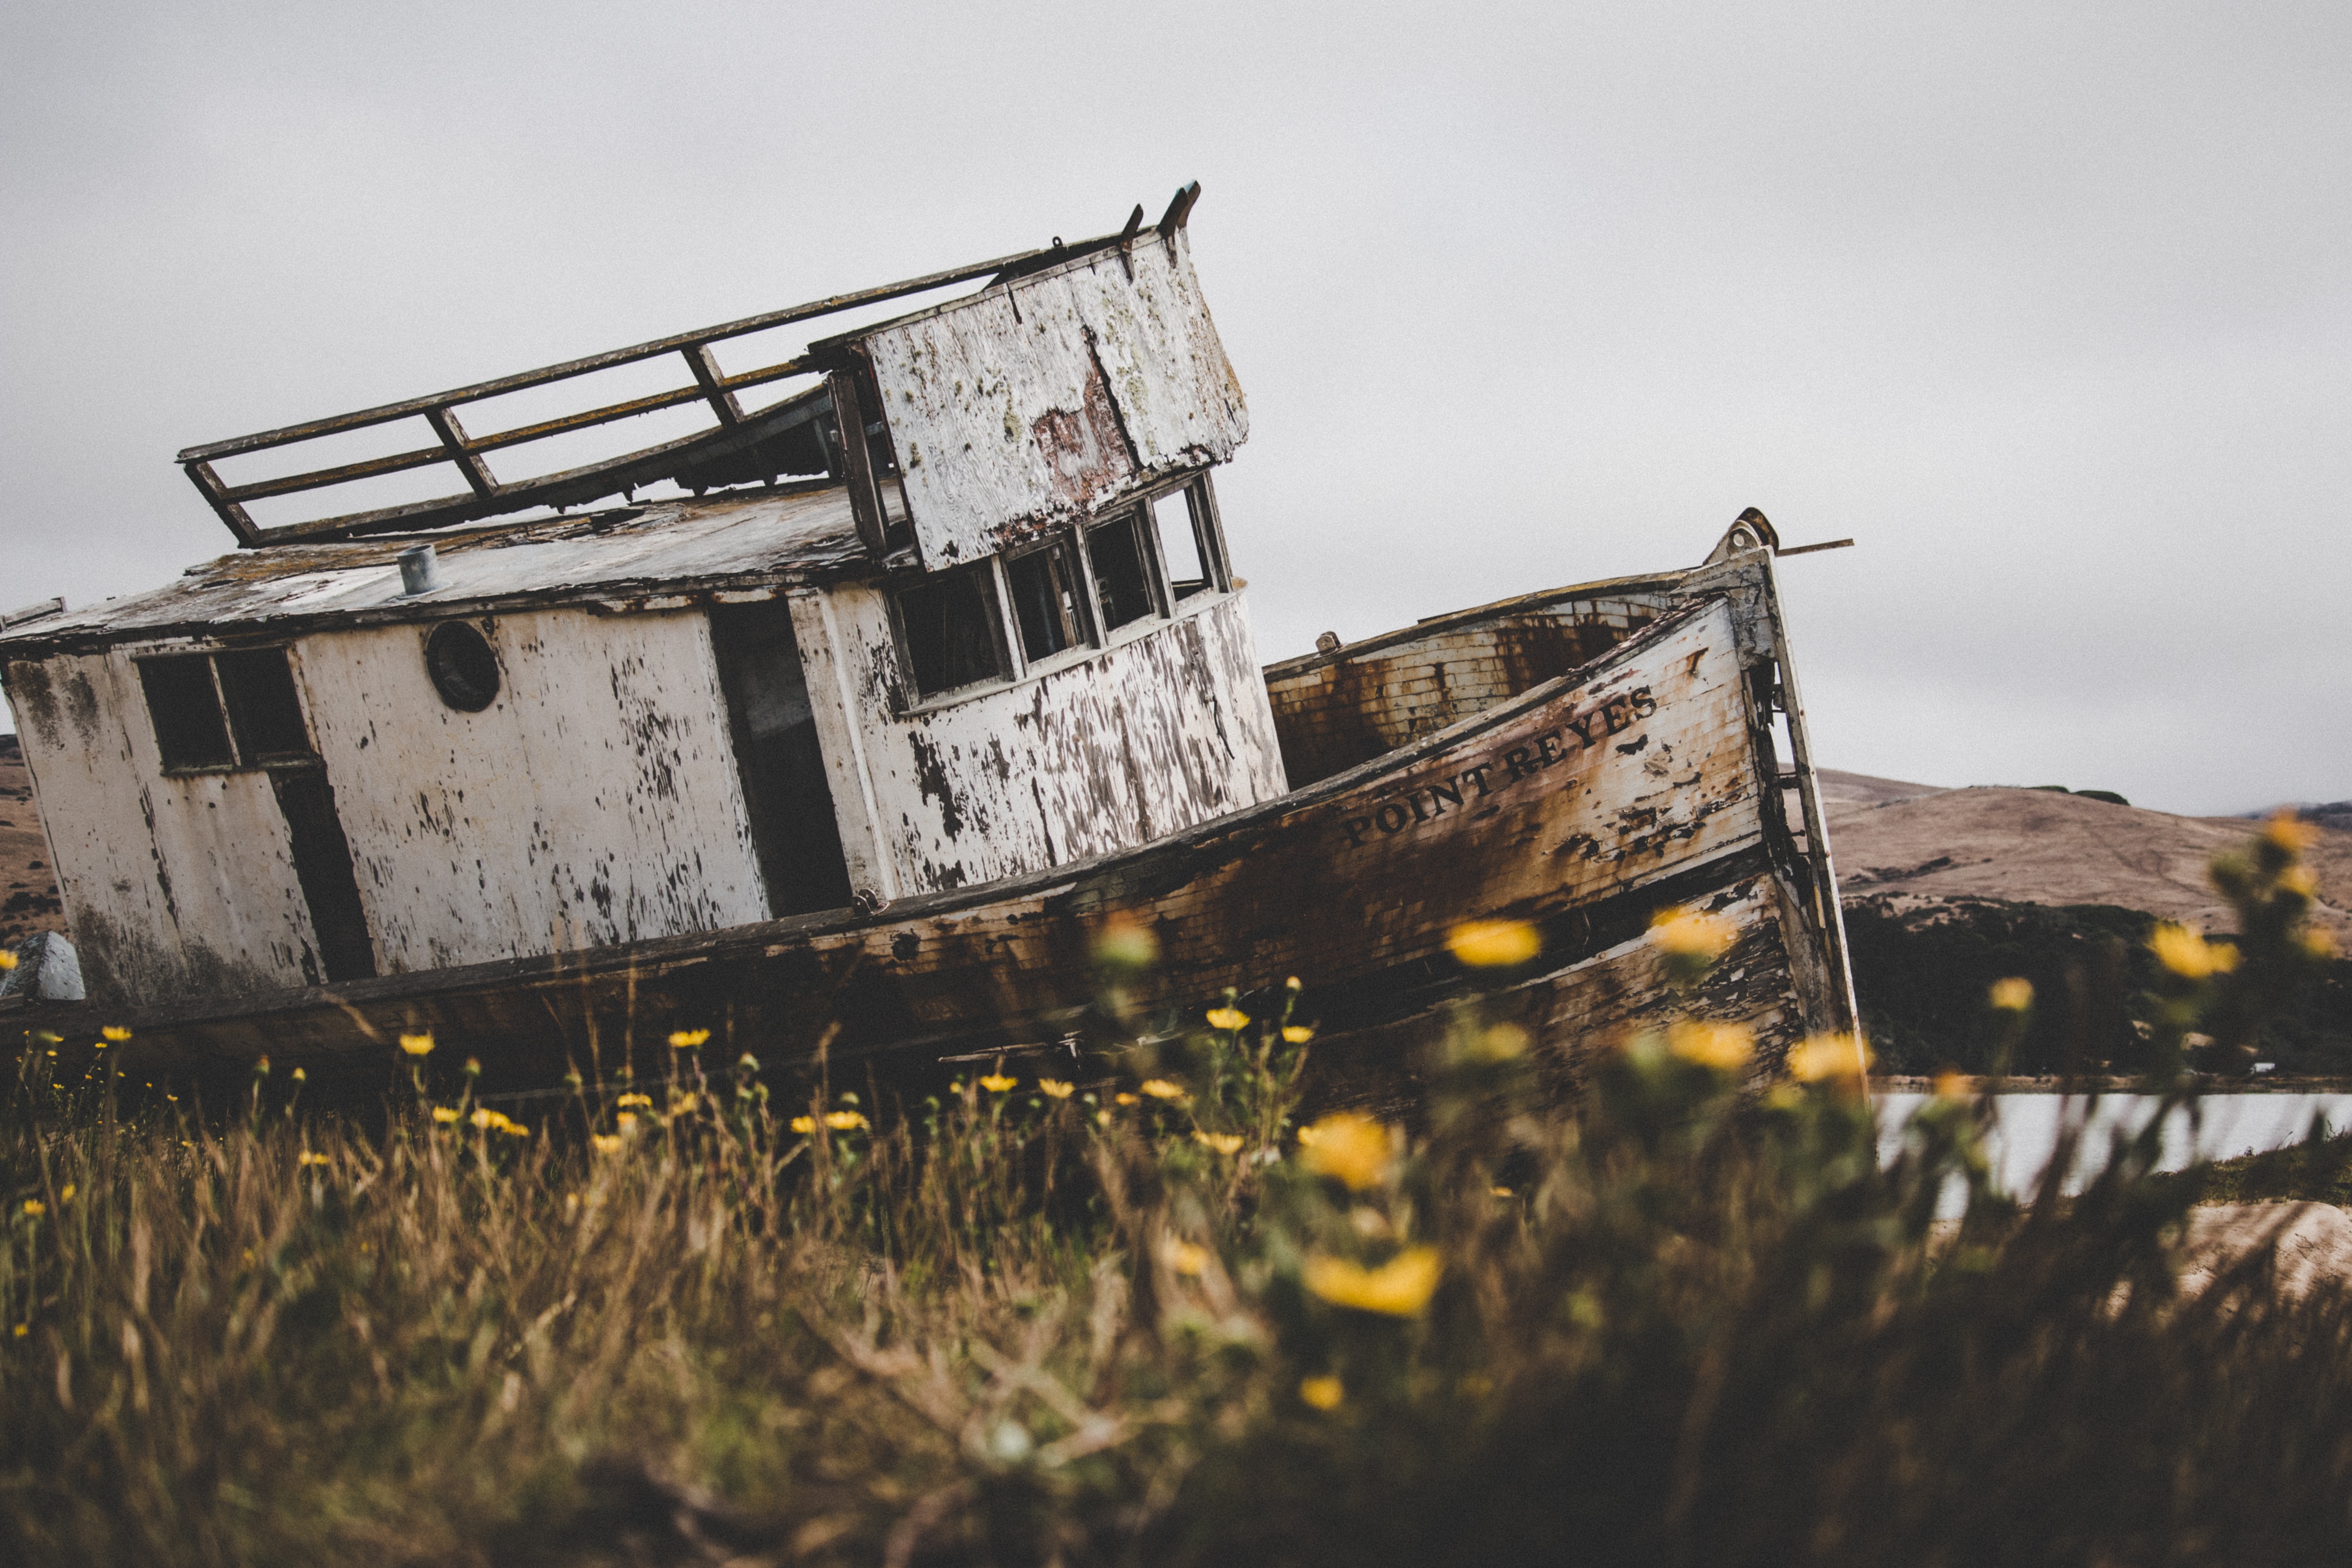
(799, 435)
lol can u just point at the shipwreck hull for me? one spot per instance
(1639, 778)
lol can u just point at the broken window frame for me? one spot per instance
(1208, 540)
(1003, 639)
(1083, 620)
(235, 731)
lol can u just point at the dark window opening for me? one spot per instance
(1122, 579)
(464, 670)
(1180, 544)
(264, 715)
(950, 624)
(1045, 602)
(322, 864)
(785, 786)
(186, 711)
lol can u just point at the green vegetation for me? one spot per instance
(1149, 1317)
(2318, 1170)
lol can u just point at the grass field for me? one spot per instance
(1146, 1316)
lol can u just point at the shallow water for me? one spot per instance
(2025, 1133)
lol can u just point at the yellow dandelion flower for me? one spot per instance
(804, 1125)
(1160, 1089)
(687, 1038)
(309, 1158)
(1102, 1118)
(844, 1121)
(1351, 1148)
(446, 1114)
(1951, 1086)
(66, 1194)
(1499, 1192)
(1124, 1098)
(2290, 832)
(22, 1329)
(607, 1142)
(2319, 943)
(513, 1128)
(1187, 1257)
(1323, 1393)
(114, 1034)
(1821, 1056)
(7, 960)
(2189, 956)
(998, 1084)
(1400, 1286)
(2300, 880)
(416, 1044)
(628, 1100)
(35, 1208)
(1224, 1143)
(1494, 944)
(1725, 1046)
(1055, 1089)
(626, 1121)
(1688, 934)
(1296, 1033)
(1230, 1019)
(2013, 995)
(301, 1076)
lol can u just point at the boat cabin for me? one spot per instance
(955, 607)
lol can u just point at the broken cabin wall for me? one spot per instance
(1157, 733)
(1034, 404)
(1335, 711)
(594, 801)
(174, 887)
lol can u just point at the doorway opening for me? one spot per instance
(784, 782)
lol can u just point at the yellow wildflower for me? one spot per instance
(1127, 944)
(606, 1143)
(1124, 1098)
(1102, 1118)
(1951, 1086)
(35, 1208)
(65, 1195)
(1688, 934)
(804, 1125)
(1400, 1286)
(1230, 1020)
(1160, 1089)
(1296, 1033)
(1187, 1257)
(446, 1114)
(1224, 1143)
(1725, 1046)
(998, 1084)
(2290, 832)
(7, 960)
(644, 1100)
(1055, 1089)
(485, 1118)
(1322, 1393)
(309, 1158)
(2012, 995)
(1494, 944)
(1819, 1056)
(2189, 956)
(844, 1121)
(22, 1329)
(114, 1034)
(687, 1038)
(626, 1121)
(2317, 941)
(2300, 880)
(1499, 1192)
(1351, 1148)
(416, 1044)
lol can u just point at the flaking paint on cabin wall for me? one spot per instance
(596, 801)
(174, 887)
(1148, 738)
(1032, 404)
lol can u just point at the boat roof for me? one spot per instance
(664, 554)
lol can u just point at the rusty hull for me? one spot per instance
(1641, 778)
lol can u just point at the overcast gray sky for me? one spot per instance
(2048, 305)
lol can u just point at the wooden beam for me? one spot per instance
(713, 382)
(240, 522)
(444, 425)
(857, 461)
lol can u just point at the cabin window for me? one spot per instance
(1122, 577)
(232, 709)
(1191, 564)
(1046, 605)
(949, 626)
(464, 670)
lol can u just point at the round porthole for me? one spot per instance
(464, 670)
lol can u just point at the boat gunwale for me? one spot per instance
(1454, 620)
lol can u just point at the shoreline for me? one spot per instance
(2104, 1084)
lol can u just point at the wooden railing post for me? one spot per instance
(444, 425)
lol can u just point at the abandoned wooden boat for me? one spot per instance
(868, 760)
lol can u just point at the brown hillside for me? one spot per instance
(2036, 846)
(28, 893)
